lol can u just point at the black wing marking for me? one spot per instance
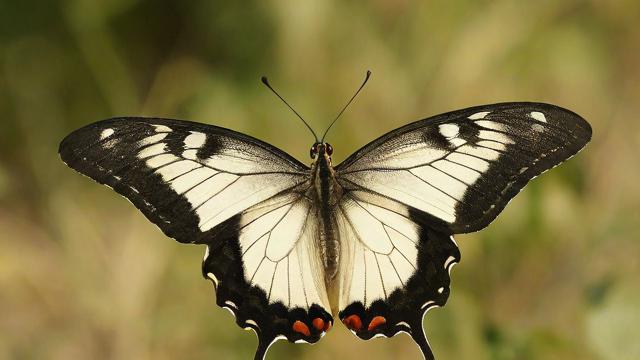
(394, 268)
(241, 197)
(462, 168)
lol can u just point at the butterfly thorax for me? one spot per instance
(327, 192)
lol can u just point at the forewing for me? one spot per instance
(462, 168)
(185, 177)
(394, 267)
(241, 197)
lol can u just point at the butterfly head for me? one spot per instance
(322, 149)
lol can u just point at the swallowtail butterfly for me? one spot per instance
(290, 246)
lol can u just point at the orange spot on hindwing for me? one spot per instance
(318, 324)
(301, 328)
(377, 321)
(327, 326)
(353, 322)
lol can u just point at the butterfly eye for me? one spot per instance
(329, 149)
(313, 151)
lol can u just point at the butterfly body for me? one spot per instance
(290, 246)
(327, 193)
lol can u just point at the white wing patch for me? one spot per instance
(383, 253)
(106, 133)
(449, 130)
(217, 187)
(104, 137)
(431, 179)
(538, 116)
(279, 253)
(195, 140)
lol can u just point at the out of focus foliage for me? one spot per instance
(84, 276)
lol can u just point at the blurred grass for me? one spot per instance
(84, 275)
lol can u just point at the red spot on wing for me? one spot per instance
(353, 322)
(327, 326)
(301, 328)
(377, 321)
(318, 324)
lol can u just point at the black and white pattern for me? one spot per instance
(463, 167)
(273, 226)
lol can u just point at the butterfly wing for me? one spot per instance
(415, 186)
(241, 197)
(395, 269)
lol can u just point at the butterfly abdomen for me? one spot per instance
(325, 190)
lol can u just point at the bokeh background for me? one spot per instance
(83, 275)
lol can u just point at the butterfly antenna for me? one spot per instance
(347, 105)
(265, 81)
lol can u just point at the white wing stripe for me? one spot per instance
(489, 124)
(175, 169)
(152, 139)
(495, 136)
(190, 179)
(212, 186)
(495, 145)
(457, 171)
(470, 162)
(483, 153)
(160, 160)
(440, 180)
(152, 150)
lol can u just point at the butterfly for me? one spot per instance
(370, 240)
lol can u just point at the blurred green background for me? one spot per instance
(83, 275)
